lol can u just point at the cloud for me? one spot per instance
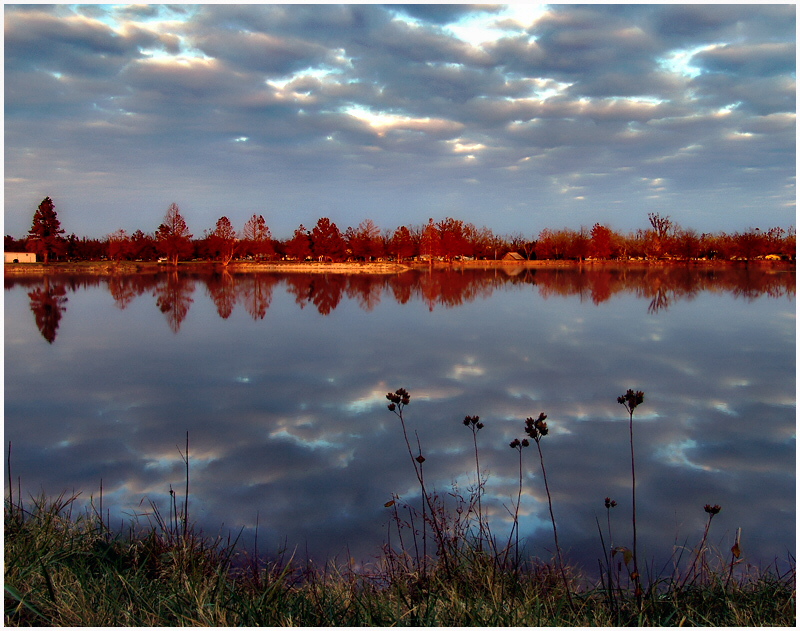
(367, 96)
(262, 52)
(764, 59)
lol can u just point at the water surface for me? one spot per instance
(281, 379)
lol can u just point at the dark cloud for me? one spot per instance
(762, 60)
(760, 95)
(195, 97)
(73, 45)
(260, 52)
(682, 24)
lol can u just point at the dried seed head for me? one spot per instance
(473, 420)
(514, 443)
(610, 503)
(712, 510)
(398, 397)
(631, 399)
(420, 459)
(536, 428)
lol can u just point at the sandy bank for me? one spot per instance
(243, 267)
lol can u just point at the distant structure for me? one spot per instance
(513, 256)
(20, 257)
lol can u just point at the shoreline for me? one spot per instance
(354, 267)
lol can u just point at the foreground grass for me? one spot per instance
(63, 569)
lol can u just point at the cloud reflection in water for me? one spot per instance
(287, 419)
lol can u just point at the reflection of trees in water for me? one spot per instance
(452, 288)
(402, 287)
(256, 293)
(174, 297)
(449, 288)
(299, 285)
(324, 291)
(367, 290)
(661, 287)
(222, 291)
(125, 287)
(659, 302)
(48, 305)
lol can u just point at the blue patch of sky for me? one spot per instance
(680, 61)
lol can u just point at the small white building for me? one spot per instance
(20, 257)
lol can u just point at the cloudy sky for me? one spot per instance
(515, 117)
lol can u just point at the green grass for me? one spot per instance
(64, 568)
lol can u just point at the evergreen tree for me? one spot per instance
(299, 246)
(327, 241)
(45, 234)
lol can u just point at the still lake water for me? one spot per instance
(280, 380)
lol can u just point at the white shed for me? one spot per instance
(20, 257)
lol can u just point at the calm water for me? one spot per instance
(281, 379)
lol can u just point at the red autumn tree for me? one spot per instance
(430, 245)
(143, 246)
(365, 241)
(327, 241)
(402, 244)
(119, 245)
(223, 240)
(299, 246)
(173, 236)
(451, 237)
(257, 239)
(601, 242)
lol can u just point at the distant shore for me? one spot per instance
(376, 267)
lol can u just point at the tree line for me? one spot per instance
(446, 240)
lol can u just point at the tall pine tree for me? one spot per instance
(45, 234)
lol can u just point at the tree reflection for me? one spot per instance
(222, 290)
(125, 287)
(256, 291)
(661, 286)
(174, 297)
(299, 285)
(367, 290)
(48, 305)
(326, 292)
(659, 302)
(450, 288)
(402, 287)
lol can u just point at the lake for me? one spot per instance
(280, 381)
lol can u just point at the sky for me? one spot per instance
(515, 117)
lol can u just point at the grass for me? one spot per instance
(440, 566)
(63, 569)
